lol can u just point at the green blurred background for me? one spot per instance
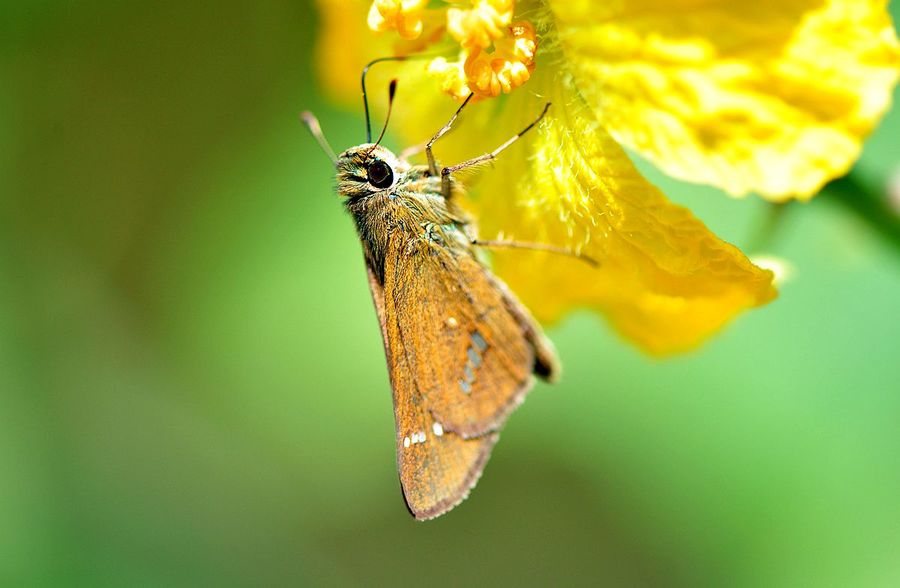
(192, 384)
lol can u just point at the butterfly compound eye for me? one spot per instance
(380, 174)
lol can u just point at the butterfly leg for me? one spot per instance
(537, 247)
(410, 151)
(432, 166)
(445, 172)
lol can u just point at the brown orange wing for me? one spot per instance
(469, 354)
(461, 352)
(437, 468)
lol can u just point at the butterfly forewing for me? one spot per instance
(461, 352)
(468, 352)
(437, 468)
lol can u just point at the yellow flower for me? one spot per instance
(773, 97)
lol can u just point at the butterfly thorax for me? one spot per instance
(409, 205)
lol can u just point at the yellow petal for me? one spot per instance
(772, 96)
(665, 281)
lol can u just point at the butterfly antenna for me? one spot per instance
(392, 89)
(365, 97)
(312, 123)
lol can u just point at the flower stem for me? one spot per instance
(766, 232)
(871, 205)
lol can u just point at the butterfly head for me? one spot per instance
(368, 169)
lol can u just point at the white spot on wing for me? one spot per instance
(479, 341)
(406, 442)
(438, 429)
(452, 322)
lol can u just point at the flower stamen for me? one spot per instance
(509, 66)
(496, 56)
(482, 25)
(404, 16)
